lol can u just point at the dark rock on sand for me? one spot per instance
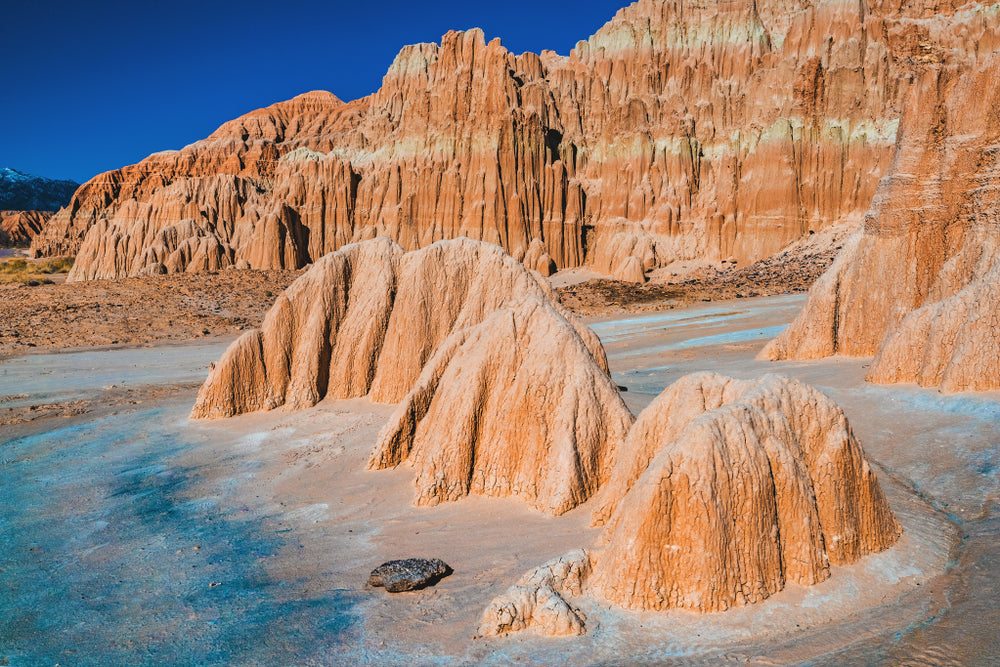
(409, 574)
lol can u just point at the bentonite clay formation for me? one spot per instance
(364, 320)
(515, 406)
(725, 490)
(17, 228)
(538, 600)
(409, 574)
(919, 286)
(679, 130)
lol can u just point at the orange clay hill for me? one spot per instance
(724, 492)
(17, 228)
(680, 130)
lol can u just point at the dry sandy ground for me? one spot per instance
(135, 310)
(147, 538)
(140, 311)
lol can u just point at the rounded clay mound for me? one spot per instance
(726, 489)
(364, 320)
(515, 406)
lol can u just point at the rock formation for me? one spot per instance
(408, 574)
(538, 600)
(17, 228)
(725, 490)
(679, 130)
(919, 285)
(364, 320)
(515, 406)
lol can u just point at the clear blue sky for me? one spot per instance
(92, 86)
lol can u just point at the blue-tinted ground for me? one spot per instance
(137, 538)
(106, 560)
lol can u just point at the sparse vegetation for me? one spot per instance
(33, 272)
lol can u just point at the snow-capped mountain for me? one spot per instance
(26, 192)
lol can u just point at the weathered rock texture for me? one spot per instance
(725, 490)
(408, 574)
(919, 286)
(538, 600)
(364, 320)
(17, 228)
(680, 129)
(516, 406)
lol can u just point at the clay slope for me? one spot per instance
(725, 490)
(515, 406)
(919, 286)
(17, 228)
(363, 321)
(679, 130)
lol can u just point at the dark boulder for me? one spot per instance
(409, 574)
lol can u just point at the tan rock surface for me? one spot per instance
(363, 321)
(918, 285)
(17, 228)
(725, 490)
(538, 600)
(694, 130)
(515, 406)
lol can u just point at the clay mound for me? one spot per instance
(363, 321)
(538, 600)
(17, 228)
(516, 406)
(918, 286)
(726, 489)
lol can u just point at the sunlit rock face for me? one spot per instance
(17, 228)
(726, 490)
(364, 320)
(679, 130)
(517, 405)
(919, 285)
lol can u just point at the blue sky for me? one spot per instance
(88, 87)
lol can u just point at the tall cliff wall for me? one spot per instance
(919, 285)
(679, 130)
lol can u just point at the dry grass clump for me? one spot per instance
(32, 272)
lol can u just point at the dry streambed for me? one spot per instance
(142, 537)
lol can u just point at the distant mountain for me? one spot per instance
(26, 192)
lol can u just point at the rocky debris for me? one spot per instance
(363, 321)
(135, 311)
(725, 490)
(409, 574)
(697, 130)
(538, 600)
(919, 285)
(17, 228)
(515, 406)
(792, 270)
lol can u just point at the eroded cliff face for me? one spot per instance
(726, 490)
(17, 228)
(919, 285)
(364, 320)
(679, 130)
